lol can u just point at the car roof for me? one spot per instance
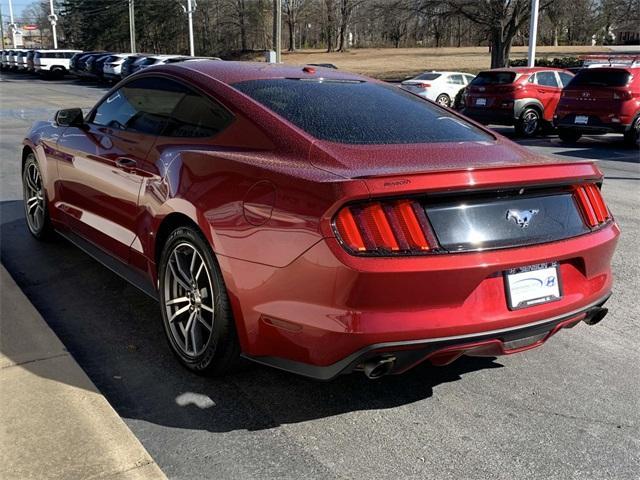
(525, 69)
(442, 72)
(233, 72)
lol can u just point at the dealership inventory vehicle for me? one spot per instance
(601, 100)
(53, 62)
(21, 60)
(94, 66)
(277, 215)
(151, 60)
(112, 68)
(77, 64)
(523, 97)
(441, 87)
(3, 59)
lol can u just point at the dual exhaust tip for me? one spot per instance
(380, 366)
(595, 315)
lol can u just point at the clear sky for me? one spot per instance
(18, 6)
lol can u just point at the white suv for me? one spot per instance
(112, 69)
(53, 62)
(440, 87)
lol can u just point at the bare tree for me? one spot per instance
(501, 19)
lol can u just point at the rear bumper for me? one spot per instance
(328, 311)
(596, 124)
(442, 351)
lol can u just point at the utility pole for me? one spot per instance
(132, 26)
(1, 27)
(278, 29)
(189, 9)
(53, 18)
(533, 32)
(12, 26)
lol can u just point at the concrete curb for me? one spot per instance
(54, 422)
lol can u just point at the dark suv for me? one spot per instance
(601, 100)
(523, 97)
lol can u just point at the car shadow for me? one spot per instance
(115, 334)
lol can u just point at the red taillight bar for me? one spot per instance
(386, 227)
(592, 205)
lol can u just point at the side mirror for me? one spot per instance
(69, 117)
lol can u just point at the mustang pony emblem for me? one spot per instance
(521, 217)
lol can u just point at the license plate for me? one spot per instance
(581, 119)
(481, 102)
(532, 285)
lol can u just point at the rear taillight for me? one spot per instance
(385, 228)
(424, 85)
(592, 204)
(622, 95)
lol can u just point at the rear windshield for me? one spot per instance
(601, 78)
(494, 78)
(360, 113)
(428, 76)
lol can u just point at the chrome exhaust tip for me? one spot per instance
(595, 315)
(379, 367)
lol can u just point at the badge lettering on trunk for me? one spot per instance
(521, 217)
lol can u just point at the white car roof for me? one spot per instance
(58, 50)
(446, 73)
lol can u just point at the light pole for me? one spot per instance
(533, 32)
(53, 18)
(12, 26)
(189, 9)
(278, 39)
(132, 26)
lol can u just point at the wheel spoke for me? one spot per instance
(185, 277)
(197, 277)
(206, 308)
(205, 324)
(193, 262)
(178, 312)
(177, 278)
(176, 300)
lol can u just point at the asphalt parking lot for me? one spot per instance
(568, 410)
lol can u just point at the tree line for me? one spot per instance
(236, 28)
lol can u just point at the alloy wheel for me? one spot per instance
(189, 299)
(34, 198)
(443, 100)
(530, 122)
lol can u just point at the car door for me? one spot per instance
(99, 169)
(455, 83)
(548, 92)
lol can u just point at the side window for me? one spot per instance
(455, 80)
(142, 105)
(547, 79)
(468, 78)
(196, 117)
(565, 78)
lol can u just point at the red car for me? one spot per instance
(523, 97)
(601, 100)
(320, 222)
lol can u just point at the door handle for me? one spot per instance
(127, 164)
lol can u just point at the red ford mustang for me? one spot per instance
(320, 222)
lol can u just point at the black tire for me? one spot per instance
(529, 123)
(218, 352)
(443, 100)
(632, 136)
(36, 209)
(569, 136)
(57, 72)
